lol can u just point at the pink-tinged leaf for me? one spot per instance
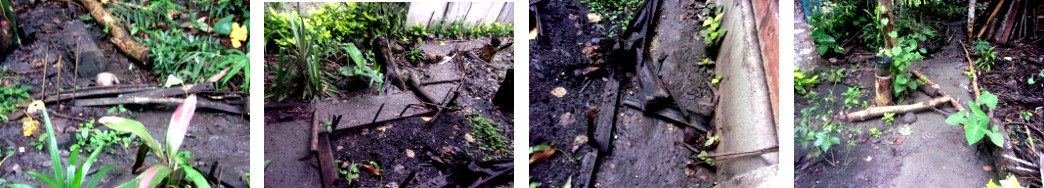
(179, 124)
(149, 177)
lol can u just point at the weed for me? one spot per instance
(9, 97)
(976, 122)
(100, 138)
(986, 62)
(836, 75)
(712, 31)
(875, 133)
(196, 58)
(1026, 115)
(118, 109)
(888, 118)
(616, 14)
(853, 94)
(905, 130)
(415, 55)
(803, 81)
(489, 135)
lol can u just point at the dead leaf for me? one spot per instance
(542, 155)
(425, 118)
(29, 126)
(869, 158)
(558, 92)
(987, 168)
(899, 140)
(469, 138)
(370, 169)
(409, 153)
(382, 128)
(594, 18)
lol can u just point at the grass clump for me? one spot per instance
(488, 133)
(615, 14)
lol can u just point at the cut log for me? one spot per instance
(879, 111)
(120, 37)
(203, 103)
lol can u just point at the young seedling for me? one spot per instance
(976, 122)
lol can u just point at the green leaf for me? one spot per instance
(356, 55)
(196, 177)
(884, 21)
(223, 26)
(989, 99)
(134, 127)
(996, 137)
(957, 118)
(893, 33)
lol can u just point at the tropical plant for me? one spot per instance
(615, 14)
(976, 122)
(825, 43)
(72, 173)
(168, 153)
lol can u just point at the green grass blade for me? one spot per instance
(101, 173)
(71, 171)
(46, 179)
(52, 147)
(194, 176)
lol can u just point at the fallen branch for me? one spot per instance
(971, 67)
(144, 100)
(879, 111)
(315, 131)
(120, 37)
(722, 156)
(935, 90)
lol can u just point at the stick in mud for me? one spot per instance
(203, 103)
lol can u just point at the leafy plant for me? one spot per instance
(888, 118)
(712, 31)
(11, 96)
(825, 43)
(305, 55)
(836, 75)
(167, 153)
(362, 67)
(415, 55)
(986, 62)
(976, 122)
(100, 138)
(875, 133)
(196, 58)
(803, 81)
(852, 99)
(71, 174)
(1010, 182)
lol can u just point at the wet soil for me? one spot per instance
(643, 147)
(213, 137)
(400, 146)
(931, 153)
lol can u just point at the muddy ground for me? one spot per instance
(52, 29)
(644, 148)
(400, 146)
(918, 149)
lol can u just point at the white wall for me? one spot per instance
(425, 13)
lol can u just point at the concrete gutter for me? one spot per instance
(744, 115)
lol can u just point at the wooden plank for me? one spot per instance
(1003, 33)
(604, 125)
(203, 103)
(174, 91)
(327, 166)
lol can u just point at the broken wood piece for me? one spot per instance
(315, 131)
(94, 92)
(385, 57)
(203, 103)
(671, 114)
(173, 91)
(879, 111)
(327, 167)
(606, 119)
(934, 90)
(120, 37)
(344, 131)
